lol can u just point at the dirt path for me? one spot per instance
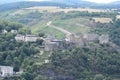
(58, 28)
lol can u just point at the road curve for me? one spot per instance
(58, 28)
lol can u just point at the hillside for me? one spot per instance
(37, 17)
(72, 2)
(19, 5)
(60, 40)
(60, 3)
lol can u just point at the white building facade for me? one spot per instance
(31, 38)
(104, 39)
(27, 38)
(6, 71)
(20, 37)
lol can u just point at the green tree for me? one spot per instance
(28, 76)
(16, 64)
(9, 60)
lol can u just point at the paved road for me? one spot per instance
(58, 28)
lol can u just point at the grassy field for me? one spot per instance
(22, 11)
(42, 27)
(103, 20)
(75, 25)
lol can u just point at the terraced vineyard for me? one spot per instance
(74, 25)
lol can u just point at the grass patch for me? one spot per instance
(75, 25)
(42, 27)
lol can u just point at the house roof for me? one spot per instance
(30, 35)
(6, 69)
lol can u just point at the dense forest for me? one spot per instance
(115, 32)
(101, 63)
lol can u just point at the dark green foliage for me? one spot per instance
(13, 53)
(115, 36)
(76, 14)
(9, 25)
(28, 76)
(113, 29)
(83, 62)
(39, 41)
(100, 63)
(24, 31)
(25, 18)
(41, 34)
(80, 64)
(13, 78)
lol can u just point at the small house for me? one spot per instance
(14, 31)
(70, 37)
(50, 38)
(19, 37)
(27, 38)
(104, 39)
(91, 37)
(51, 46)
(6, 71)
(4, 31)
(31, 38)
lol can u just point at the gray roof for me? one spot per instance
(30, 35)
(6, 68)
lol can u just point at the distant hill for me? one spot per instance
(72, 2)
(9, 1)
(17, 4)
(25, 4)
(58, 1)
(115, 3)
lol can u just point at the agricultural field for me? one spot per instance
(22, 11)
(57, 9)
(74, 25)
(36, 18)
(102, 20)
(43, 28)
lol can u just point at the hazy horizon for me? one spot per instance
(102, 1)
(96, 1)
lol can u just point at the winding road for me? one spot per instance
(58, 28)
